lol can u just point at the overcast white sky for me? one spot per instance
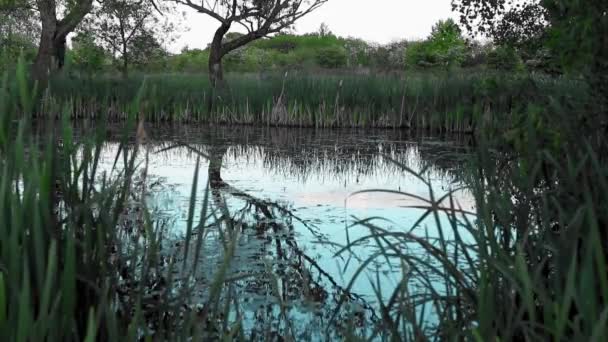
(380, 21)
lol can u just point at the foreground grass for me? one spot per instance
(443, 102)
(531, 263)
(77, 264)
(80, 254)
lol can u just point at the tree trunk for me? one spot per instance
(51, 54)
(216, 53)
(59, 46)
(215, 165)
(216, 72)
(52, 47)
(46, 49)
(125, 67)
(125, 61)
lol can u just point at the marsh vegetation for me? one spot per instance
(303, 187)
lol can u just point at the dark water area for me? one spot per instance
(293, 197)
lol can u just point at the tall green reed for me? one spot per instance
(528, 264)
(455, 102)
(81, 257)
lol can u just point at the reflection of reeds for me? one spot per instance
(302, 152)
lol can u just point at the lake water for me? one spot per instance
(290, 199)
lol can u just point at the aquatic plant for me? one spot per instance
(529, 263)
(83, 258)
(441, 102)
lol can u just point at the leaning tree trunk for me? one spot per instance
(216, 53)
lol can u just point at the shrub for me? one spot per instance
(390, 56)
(85, 55)
(444, 47)
(504, 58)
(476, 55)
(446, 43)
(190, 60)
(331, 57)
(418, 54)
(11, 50)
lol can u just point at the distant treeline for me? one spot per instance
(445, 48)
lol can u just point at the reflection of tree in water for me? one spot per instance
(336, 153)
(280, 267)
(302, 152)
(283, 273)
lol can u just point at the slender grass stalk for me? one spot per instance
(441, 103)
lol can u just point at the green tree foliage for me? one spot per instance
(289, 51)
(131, 30)
(277, 52)
(19, 31)
(86, 55)
(260, 18)
(419, 54)
(504, 58)
(18, 21)
(477, 54)
(148, 52)
(575, 31)
(17, 46)
(331, 57)
(447, 43)
(389, 57)
(518, 23)
(189, 60)
(579, 36)
(444, 47)
(359, 52)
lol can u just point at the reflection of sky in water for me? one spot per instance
(317, 188)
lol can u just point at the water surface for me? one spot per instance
(294, 197)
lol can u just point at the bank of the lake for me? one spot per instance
(132, 231)
(446, 101)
